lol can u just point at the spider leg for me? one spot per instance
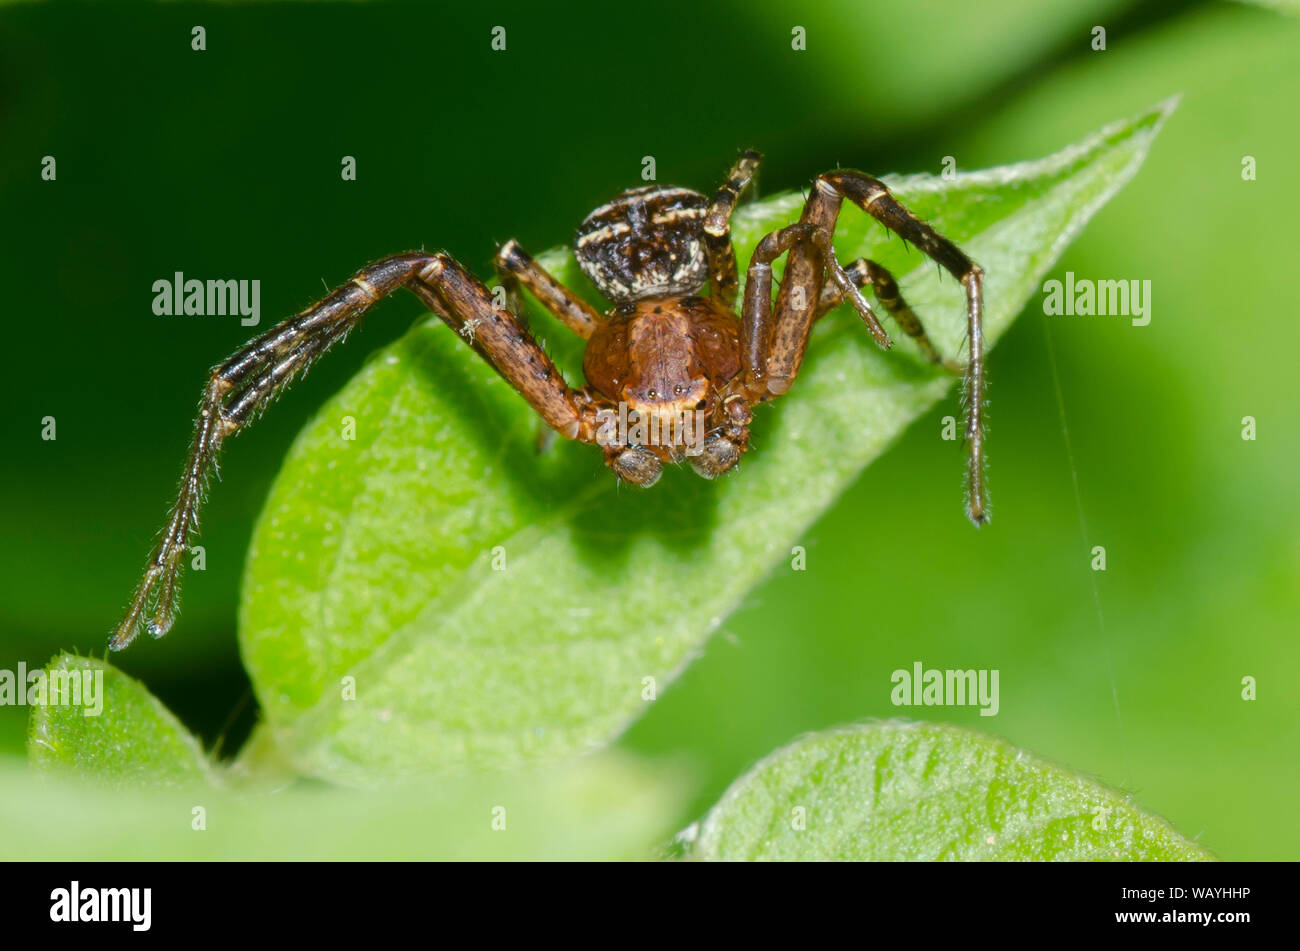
(832, 295)
(509, 346)
(772, 343)
(429, 297)
(515, 266)
(874, 198)
(241, 387)
(726, 444)
(717, 227)
(807, 263)
(863, 272)
(756, 310)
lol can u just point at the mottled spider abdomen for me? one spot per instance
(645, 243)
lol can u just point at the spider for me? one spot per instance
(662, 351)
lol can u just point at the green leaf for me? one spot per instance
(111, 729)
(602, 808)
(899, 791)
(126, 781)
(374, 556)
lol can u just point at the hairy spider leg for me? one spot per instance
(717, 227)
(798, 300)
(241, 387)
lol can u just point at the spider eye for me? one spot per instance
(653, 394)
(678, 390)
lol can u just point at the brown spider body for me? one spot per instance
(670, 373)
(664, 355)
(665, 358)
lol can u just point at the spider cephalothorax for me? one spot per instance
(671, 374)
(668, 361)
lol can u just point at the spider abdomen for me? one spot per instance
(645, 243)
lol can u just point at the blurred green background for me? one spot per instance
(226, 163)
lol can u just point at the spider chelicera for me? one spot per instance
(662, 351)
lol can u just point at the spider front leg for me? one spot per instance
(875, 199)
(808, 261)
(242, 386)
(756, 311)
(717, 227)
(762, 332)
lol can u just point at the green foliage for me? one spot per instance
(131, 780)
(1200, 525)
(424, 593)
(132, 741)
(402, 612)
(601, 808)
(900, 791)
